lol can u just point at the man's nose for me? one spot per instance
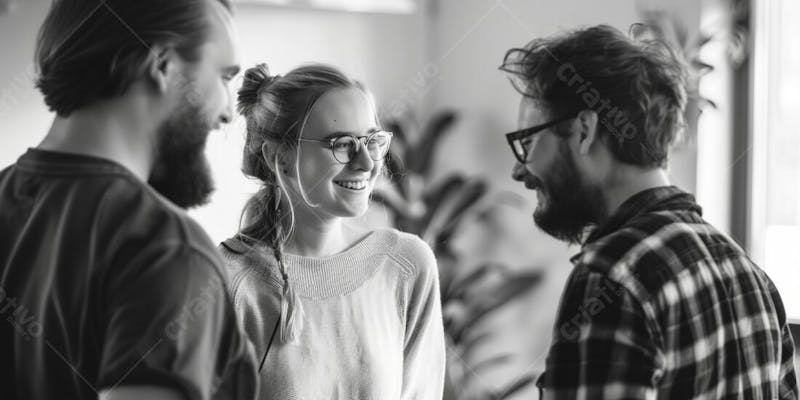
(518, 172)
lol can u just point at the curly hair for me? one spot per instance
(636, 87)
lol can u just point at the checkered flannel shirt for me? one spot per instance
(660, 305)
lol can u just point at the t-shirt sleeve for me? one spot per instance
(170, 322)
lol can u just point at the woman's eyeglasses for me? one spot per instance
(345, 148)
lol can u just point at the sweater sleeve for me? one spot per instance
(424, 348)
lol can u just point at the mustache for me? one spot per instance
(534, 183)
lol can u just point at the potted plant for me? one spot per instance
(437, 212)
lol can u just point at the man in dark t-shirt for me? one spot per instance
(107, 287)
(105, 282)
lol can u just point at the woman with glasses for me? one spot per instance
(333, 309)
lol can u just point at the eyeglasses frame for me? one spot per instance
(328, 143)
(519, 135)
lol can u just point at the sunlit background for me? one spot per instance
(741, 157)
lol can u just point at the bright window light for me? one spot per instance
(775, 223)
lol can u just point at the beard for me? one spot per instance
(181, 172)
(568, 206)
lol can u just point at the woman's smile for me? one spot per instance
(355, 185)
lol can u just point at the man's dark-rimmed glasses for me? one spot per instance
(516, 139)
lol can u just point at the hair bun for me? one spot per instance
(255, 80)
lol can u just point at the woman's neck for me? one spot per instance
(315, 241)
(316, 236)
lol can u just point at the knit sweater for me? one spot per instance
(372, 325)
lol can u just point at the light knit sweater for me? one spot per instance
(372, 326)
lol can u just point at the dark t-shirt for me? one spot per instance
(103, 282)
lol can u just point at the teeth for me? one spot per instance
(355, 185)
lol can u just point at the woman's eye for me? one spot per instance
(341, 146)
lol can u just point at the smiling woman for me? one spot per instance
(334, 310)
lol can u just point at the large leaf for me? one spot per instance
(437, 196)
(462, 286)
(437, 211)
(493, 361)
(451, 207)
(452, 385)
(519, 384)
(506, 291)
(420, 159)
(471, 344)
(396, 205)
(400, 138)
(449, 265)
(470, 197)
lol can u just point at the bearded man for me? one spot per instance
(108, 287)
(659, 304)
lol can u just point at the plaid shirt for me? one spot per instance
(660, 305)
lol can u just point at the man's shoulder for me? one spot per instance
(119, 221)
(653, 234)
(96, 201)
(145, 213)
(655, 247)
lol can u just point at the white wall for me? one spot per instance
(24, 118)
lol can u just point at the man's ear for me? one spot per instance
(163, 68)
(588, 133)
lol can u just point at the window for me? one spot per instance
(775, 151)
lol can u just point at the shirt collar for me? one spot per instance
(663, 198)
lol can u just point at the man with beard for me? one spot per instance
(107, 287)
(659, 304)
